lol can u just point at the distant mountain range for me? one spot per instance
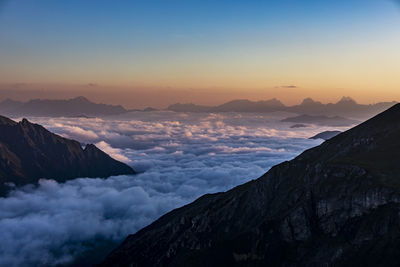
(75, 107)
(345, 107)
(29, 152)
(337, 204)
(82, 107)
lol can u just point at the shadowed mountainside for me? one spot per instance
(337, 204)
(29, 152)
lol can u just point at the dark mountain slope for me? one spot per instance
(334, 205)
(29, 152)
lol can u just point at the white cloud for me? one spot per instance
(75, 132)
(113, 152)
(179, 157)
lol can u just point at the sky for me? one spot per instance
(141, 53)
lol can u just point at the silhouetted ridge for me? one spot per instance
(29, 152)
(337, 204)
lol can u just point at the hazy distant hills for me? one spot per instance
(75, 107)
(242, 105)
(335, 121)
(346, 107)
(29, 152)
(249, 106)
(337, 204)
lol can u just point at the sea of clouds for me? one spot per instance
(179, 157)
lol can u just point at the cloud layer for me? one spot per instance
(179, 156)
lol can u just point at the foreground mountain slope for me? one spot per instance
(334, 205)
(29, 152)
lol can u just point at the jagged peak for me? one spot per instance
(90, 147)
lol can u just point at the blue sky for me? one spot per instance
(200, 44)
(116, 22)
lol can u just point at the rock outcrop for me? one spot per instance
(29, 152)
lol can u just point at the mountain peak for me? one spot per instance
(309, 101)
(274, 102)
(346, 100)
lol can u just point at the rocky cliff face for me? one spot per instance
(29, 152)
(334, 205)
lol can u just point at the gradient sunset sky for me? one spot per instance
(142, 53)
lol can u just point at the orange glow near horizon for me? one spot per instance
(323, 50)
(141, 97)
